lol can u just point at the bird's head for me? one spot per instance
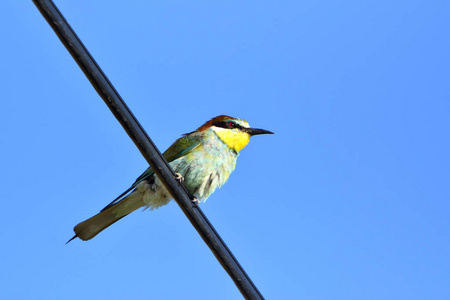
(234, 132)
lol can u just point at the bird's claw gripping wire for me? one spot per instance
(179, 177)
(195, 201)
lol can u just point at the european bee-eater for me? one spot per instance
(203, 159)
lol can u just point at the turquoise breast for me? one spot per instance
(207, 167)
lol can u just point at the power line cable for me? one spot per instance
(162, 169)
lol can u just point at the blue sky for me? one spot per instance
(348, 200)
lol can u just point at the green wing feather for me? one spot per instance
(178, 149)
(181, 147)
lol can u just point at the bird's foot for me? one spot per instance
(179, 177)
(195, 201)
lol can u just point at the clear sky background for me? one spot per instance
(348, 200)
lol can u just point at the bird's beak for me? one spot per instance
(255, 131)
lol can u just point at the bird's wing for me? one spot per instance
(182, 146)
(178, 149)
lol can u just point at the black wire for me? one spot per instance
(123, 114)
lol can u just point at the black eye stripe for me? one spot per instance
(225, 124)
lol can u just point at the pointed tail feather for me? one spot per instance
(91, 227)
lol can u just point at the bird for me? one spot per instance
(202, 160)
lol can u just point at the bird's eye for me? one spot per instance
(231, 125)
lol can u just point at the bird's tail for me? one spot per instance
(91, 227)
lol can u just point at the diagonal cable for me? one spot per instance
(148, 149)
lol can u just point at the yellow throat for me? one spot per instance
(234, 139)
